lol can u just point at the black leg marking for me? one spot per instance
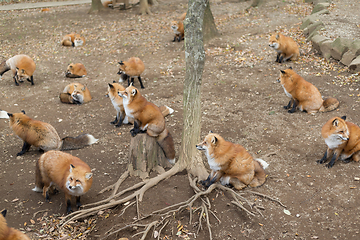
(174, 39)
(289, 104)
(278, 58)
(78, 204)
(132, 80)
(179, 38)
(16, 83)
(136, 129)
(115, 121)
(281, 59)
(120, 120)
(332, 162)
(47, 197)
(41, 150)
(323, 159)
(128, 81)
(205, 182)
(24, 149)
(68, 206)
(294, 107)
(32, 80)
(141, 84)
(347, 160)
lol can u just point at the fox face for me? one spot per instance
(208, 146)
(78, 41)
(77, 181)
(175, 27)
(21, 74)
(15, 118)
(128, 94)
(337, 133)
(274, 41)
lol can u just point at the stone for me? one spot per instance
(348, 57)
(355, 65)
(320, 6)
(315, 2)
(309, 20)
(325, 48)
(355, 46)
(339, 47)
(313, 27)
(317, 40)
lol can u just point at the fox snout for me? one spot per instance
(119, 72)
(278, 80)
(199, 147)
(344, 138)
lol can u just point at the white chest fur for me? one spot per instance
(212, 163)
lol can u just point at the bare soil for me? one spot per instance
(241, 101)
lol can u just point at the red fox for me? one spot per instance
(22, 66)
(73, 40)
(342, 139)
(76, 70)
(130, 69)
(231, 163)
(69, 173)
(7, 233)
(285, 47)
(178, 28)
(75, 93)
(147, 118)
(303, 94)
(117, 101)
(43, 135)
(107, 4)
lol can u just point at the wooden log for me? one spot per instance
(146, 155)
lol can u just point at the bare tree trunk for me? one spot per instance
(209, 29)
(195, 61)
(96, 6)
(144, 7)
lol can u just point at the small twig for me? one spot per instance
(214, 216)
(200, 217)
(162, 229)
(116, 185)
(242, 207)
(137, 207)
(34, 215)
(208, 222)
(266, 196)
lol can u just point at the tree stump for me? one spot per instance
(146, 155)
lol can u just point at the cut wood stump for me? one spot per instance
(145, 156)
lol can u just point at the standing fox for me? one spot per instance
(147, 118)
(132, 68)
(73, 40)
(285, 47)
(117, 101)
(7, 233)
(22, 66)
(303, 94)
(69, 173)
(76, 70)
(75, 93)
(43, 135)
(178, 28)
(231, 163)
(342, 139)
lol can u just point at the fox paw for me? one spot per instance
(329, 165)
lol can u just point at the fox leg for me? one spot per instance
(333, 158)
(289, 104)
(68, 203)
(116, 119)
(142, 86)
(324, 158)
(356, 156)
(46, 192)
(15, 77)
(78, 203)
(121, 119)
(237, 183)
(278, 58)
(31, 80)
(205, 182)
(136, 129)
(293, 109)
(24, 149)
(174, 38)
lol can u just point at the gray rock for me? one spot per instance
(339, 47)
(319, 7)
(317, 40)
(348, 57)
(313, 27)
(311, 19)
(325, 48)
(355, 65)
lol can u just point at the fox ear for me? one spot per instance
(290, 67)
(10, 114)
(121, 63)
(277, 36)
(114, 81)
(343, 117)
(211, 131)
(214, 140)
(88, 176)
(83, 89)
(283, 72)
(71, 167)
(22, 71)
(110, 85)
(4, 212)
(23, 111)
(133, 92)
(335, 122)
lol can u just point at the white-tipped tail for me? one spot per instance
(262, 163)
(170, 109)
(172, 161)
(92, 140)
(3, 114)
(37, 189)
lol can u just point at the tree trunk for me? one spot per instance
(209, 29)
(144, 7)
(96, 6)
(145, 156)
(190, 157)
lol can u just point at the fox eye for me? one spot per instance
(71, 178)
(77, 180)
(341, 131)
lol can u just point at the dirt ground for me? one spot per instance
(241, 101)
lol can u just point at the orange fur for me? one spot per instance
(73, 40)
(75, 93)
(7, 233)
(107, 3)
(342, 139)
(285, 47)
(69, 173)
(304, 95)
(79, 40)
(43, 135)
(133, 67)
(76, 70)
(147, 118)
(231, 163)
(178, 28)
(22, 66)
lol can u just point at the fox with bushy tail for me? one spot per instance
(43, 135)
